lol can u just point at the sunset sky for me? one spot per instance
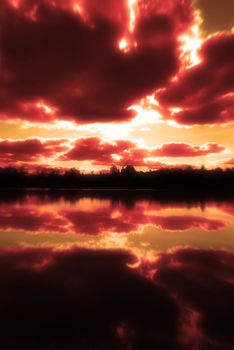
(91, 83)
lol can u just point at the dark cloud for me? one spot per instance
(53, 56)
(204, 93)
(181, 149)
(96, 150)
(102, 152)
(62, 61)
(29, 150)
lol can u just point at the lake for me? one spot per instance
(99, 270)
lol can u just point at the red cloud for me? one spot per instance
(30, 150)
(104, 153)
(229, 162)
(97, 150)
(204, 94)
(180, 149)
(60, 59)
(100, 152)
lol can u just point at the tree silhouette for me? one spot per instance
(114, 170)
(174, 180)
(128, 170)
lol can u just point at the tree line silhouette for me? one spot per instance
(174, 179)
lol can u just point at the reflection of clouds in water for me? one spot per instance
(202, 281)
(108, 223)
(181, 300)
(89, 216)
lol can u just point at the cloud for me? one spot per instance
(229, 162)
(61, 59)
(97, 150)
(181, 149)
(87, 62)
(124, 152)
(29, 150)
(204, 94)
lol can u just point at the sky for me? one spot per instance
(90, 83)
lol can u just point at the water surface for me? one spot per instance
(87, 271)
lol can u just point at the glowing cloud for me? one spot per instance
(135, 45)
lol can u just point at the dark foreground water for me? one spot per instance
(87, 272)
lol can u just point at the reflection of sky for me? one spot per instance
(143, 225)
(95, 299)
(127, 275)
